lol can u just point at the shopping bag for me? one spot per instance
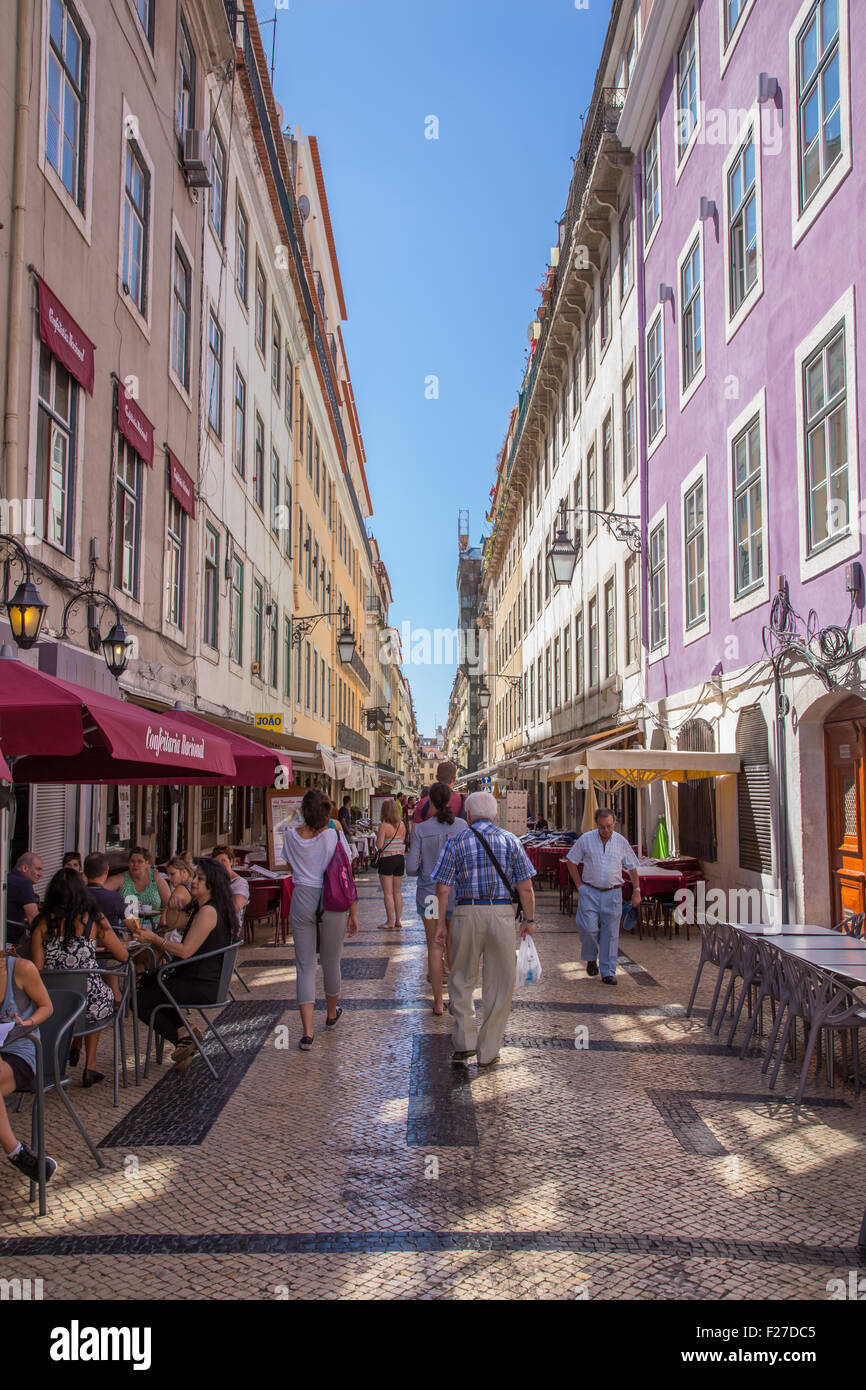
(528, 964)
(629, 918)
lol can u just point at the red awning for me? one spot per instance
(256, 765)
(60, 732)
(134, 425)
(180, 483)
(5, 774)
(62, 336)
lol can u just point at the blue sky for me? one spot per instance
(441, 243)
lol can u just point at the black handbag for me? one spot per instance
(512, 892)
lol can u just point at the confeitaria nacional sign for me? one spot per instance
(160, 741)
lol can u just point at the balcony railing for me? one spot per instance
(361, 671)
(351, 741)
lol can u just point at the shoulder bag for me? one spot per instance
(512, 892)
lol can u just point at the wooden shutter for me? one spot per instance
(753, 793)
(49, 835)
(697, 800)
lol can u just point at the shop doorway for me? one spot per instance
(846, 807)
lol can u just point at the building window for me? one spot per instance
(55, 448)
(578, 655)
(286, 515)
(629, 427)
(591, 492)
(609, 629)
(742, 225)
(218, 183)
(316, 571)
(733, 14)
(575, 384)
(652, 204)
(259, 463)
(127, 518)
(289, 407)
(825, 411)
(626, 254)
(604, 307)
(697, 800)
(748, 509)
(309, 549)
(692, 325)
(144, 10)
(539, 675)
(180, 317)
(563, 410)
(136, 227)
(309, 447)
(301, 546)
(185, 97)
(211, 586)
(287, 657)
(215, 376)
(273, 643)
(175, 557)
(753, 793)
(317, 473)
(242, 252)
(237, 634)
(261, 306)
(307, 676)
(694, 541)
(592, 632)
(557, 673)
(66, 102)
(276, 354)
(578, 511)
(258, 599)
(240, 423)
(819, 110)
(548, 684)
(589, 339)
(631, 610)
(566, 663)
(655, 380)
(687, 87)
(607, 479)
(657, 577)
(276, 511)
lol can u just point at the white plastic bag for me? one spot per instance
(528, 964)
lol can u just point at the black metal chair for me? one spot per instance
(224, 997)
(853, 925)
(76, 980)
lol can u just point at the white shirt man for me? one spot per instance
(596, 862)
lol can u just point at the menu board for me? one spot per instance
(515, 812)
(123, 813)
(282, 808)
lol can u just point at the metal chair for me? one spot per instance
(76, 980)
(853, 925)
(53, 1039)
(710, 955)
(264, 901)
(224, 996)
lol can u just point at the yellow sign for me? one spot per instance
(274, 722)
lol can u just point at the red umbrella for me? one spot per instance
(60, 732)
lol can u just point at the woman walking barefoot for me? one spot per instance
(427, 844)
(391, 844)
(309, 850)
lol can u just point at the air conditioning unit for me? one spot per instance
(196, 159)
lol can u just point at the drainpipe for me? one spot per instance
(17, 267)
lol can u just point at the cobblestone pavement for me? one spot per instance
(649, 1163)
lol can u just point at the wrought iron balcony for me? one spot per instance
(352, 742)
(361, 671)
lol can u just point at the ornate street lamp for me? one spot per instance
(115, 650)
(484, 697)
(25, 609)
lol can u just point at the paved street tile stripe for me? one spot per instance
(427, 1242)
(441, 1109)
(181, 1108)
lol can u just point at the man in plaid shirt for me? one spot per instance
(482, 927)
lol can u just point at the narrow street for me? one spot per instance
(650, 1163)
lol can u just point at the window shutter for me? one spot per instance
(753, 793)
(697, 800)
(49, 838)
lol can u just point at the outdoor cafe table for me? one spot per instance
(845, 956)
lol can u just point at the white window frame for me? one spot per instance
(630, 370)
(663, 650)
(82, 217)
(760, 594)
(681, 155)
(653, 444)
(686, 392)
(648, 241)
(634, 664)
(726, 50)
(183, 541)
(75, 456)
(626, 243)
(148, 41)
(697, 475)
(219, 234)
(218, 433)
(178, 236)
(802, 221)
(848, 542)
(735, 321)
(143, 321)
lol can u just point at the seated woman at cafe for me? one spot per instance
(175, 914)
(24, 1003)
(141, 882)
(212, 925)
(65, 936)
(240, 889)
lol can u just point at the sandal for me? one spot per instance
(332, 1022)
(306, 1043)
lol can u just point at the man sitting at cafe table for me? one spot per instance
(596, 862)
(22, 904)
(111, 904)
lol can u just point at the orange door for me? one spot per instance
(845, 811)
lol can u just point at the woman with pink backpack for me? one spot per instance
(324, 906)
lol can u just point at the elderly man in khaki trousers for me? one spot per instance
(488, 867)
